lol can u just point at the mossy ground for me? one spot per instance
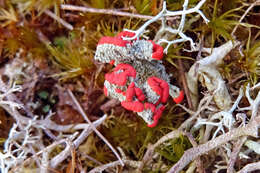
(49, 57)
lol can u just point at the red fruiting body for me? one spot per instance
(139, 93)
(129, 70)
(155, 122)
(154, 85)
(135, 106)
(157, 116)
(130, 92)
(160, 86)
(150, 106)
(134, 91)
(158, 113)
(179, 98)
(164, 85)
(112, 62)
(112, 40)
(119, 78)
(118, 40)
(125, 34)
(157, 51)
(135, 97)
(118, 90)
(105, 91)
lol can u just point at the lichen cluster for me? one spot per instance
(54, 115)
(139, 80)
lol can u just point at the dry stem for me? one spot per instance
(244, 15)
(93, 127)
(58, 19)
(250, 167)
(249, 130)
(109, 12)
(113, 164)
(199, 164)
(236, 149)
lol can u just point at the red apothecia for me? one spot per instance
(139, 79)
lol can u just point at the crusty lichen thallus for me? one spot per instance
(139, 80)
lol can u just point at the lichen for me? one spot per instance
(139, 80)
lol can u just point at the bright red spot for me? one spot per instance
(160, 87)
(157, 116)
(130, 92)
(125, 34)
(179, 98)
(139, 93)
(112, 40)
(135, 106)
(120, 74)
(105, 90)
(150, 106)
(112, 62)
(118, 90)
(157, 51)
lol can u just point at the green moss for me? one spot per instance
(174, 149)
(133, 135)
(26, 39)
(250, 61)
(71, 56)
(222, 22)
(29, 6)
(143, 6)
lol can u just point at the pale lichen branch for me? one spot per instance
(3, 97)
(225, 118)
(165, 28)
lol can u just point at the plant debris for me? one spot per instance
(59, 60)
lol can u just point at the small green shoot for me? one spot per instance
(251, 60)
(71, 57)
(175, 149)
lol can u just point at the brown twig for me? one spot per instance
(93, 127)
(250, 167)
(198, 162)
(233, 157)
(244, 15)
(250, 129)
(236, 78)
(109, 12)
(109, 104)
(58, 19)
(184, 83)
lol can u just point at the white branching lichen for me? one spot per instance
(16, 147)
(165, 28)
(26, 136)
(3, 97)
(223, 119)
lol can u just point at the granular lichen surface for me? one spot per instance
(139, 80)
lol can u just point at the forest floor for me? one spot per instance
(55, 117)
